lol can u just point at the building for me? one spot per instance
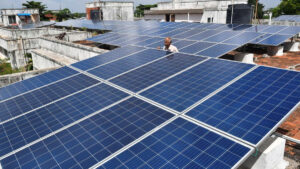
(19, 17)
(110, 10)
(214, 11)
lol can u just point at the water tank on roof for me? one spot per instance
(242, 14)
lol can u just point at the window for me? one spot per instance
(12, 19)
(210, 19)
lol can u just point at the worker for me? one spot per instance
(168, 45)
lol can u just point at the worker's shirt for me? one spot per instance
(171, 48)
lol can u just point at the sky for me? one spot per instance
(79, 5)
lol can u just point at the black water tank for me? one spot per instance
(242, 14)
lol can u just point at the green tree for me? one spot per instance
(260, 8)
(141, 8)
(287, 7)
(38, 5)
(64, 14)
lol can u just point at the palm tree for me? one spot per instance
(38, 5)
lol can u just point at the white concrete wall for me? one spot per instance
(74, 51)
(41, 62)
(115, 10)
(212, 8)
(155, 17)
(13, 12)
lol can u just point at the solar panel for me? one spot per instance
(29, 101)
(181, 144)
(84, 144)
(107, 57)
(254, 105)
(41, 122)
(260, 38)
(148, 75)
(187, 88)
(274, 29)
(188, 33)
(243, 38)
(148, 41)
(222, 36)
(35, 82)
(175, 32)
(291, 30)
(217, 50)
(275, 40)
(204, 35)
(182, 43)
(196, 47)
(120, 66)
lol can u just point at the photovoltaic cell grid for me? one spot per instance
(106, 57)
(29, 101)
(187, 88)
(181, 144)
(291, 18)
(194, 31)
(30, 127)
(120, 66)
(93, 139)
(35, 82)
(251, 107)
(150, 74)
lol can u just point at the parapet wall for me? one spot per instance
(74, 51)
(12, 78)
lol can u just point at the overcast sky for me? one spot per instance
(78, 5)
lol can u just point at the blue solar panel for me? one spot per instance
(133, 41)
(182, 43)
(242, 27)
(93, 139)
(120, 66)
(222, 36)
(156, 71)
(204, 35)
(251, 107)
(175, 32)
(243, 38)
(181, 144)
(292, 30)
(260, 38)
(274, 29)
(30, 127)
(257, 28)
(188, 33)
(218, 50)
(35, 82)
(275, 40)
(185, 89)
(29, 101)
(196, 47)
(228, 27)
(148, 41)
(106, 57)
(214, 26)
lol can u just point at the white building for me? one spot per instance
(204, 11)
(110, 10)
(18, 16)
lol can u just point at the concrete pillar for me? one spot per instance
(275, 50)
(244, 57)
(188, 15)
(292, 46)
(269, 156)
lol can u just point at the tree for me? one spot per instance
(38, 5)
(63, 15)
(260, 7)
(141, 8)
(287, 7)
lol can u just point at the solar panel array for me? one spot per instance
(223, 37)
(291, 18)
(138, 107)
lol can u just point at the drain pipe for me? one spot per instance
(287, 138)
